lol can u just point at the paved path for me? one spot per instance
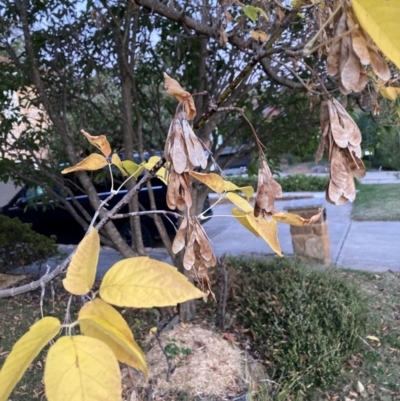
(372, 177)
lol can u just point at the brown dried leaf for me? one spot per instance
(264, 201)
(358, 40)
(173, 190)
(350, 71)
(355, 164)
(189, 258)
(344, 130)
(337, 129)
(173, 88)
(360, 47)
(100, 142)
(362, 80)
(341, 184)
(178, 155)
(379, 65)
(333, 59)
(196, 153)
(93, 162)
(179, 240)
(184, 189)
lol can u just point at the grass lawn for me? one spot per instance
(377, 202)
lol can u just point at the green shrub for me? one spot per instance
(304, 323)
(20, 246)
(302, 182)
(289, 183)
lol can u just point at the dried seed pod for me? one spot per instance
(267, 190)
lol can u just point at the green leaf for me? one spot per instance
(132, 168)
(81, 368)
(145, 283)
(25, 350)
(251, 12)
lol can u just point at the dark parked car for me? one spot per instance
(53, 219)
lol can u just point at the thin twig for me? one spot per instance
(147, 212)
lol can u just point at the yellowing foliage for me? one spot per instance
(100, 320)
(218, 185)
(81, 271)
(145, 283)
(25, 350)
(268, 230)
(212, 180)
(242, 218)
(238, 201)
(92, 162)
(117, 162)
(380, 18)
(81, 368)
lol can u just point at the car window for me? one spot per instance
(33, 193)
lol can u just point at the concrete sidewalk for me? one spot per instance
(372, 177)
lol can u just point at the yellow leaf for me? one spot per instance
(92, 162)
(152, 162)
(100, 320)
(259, 35)
(242, 218)
(162, 173)
(117, 162)
(100, 142)
(24, 352)
(239, 202)
(144, 283)
(132, 168)
(212, 180)
(268, 231)
(389, 92)
(294, 219)
(82, 269)
(81, 368)
(380, 19)
(173, 88)
(247, 191)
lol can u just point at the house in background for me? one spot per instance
(29, 117)
(7, 192)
